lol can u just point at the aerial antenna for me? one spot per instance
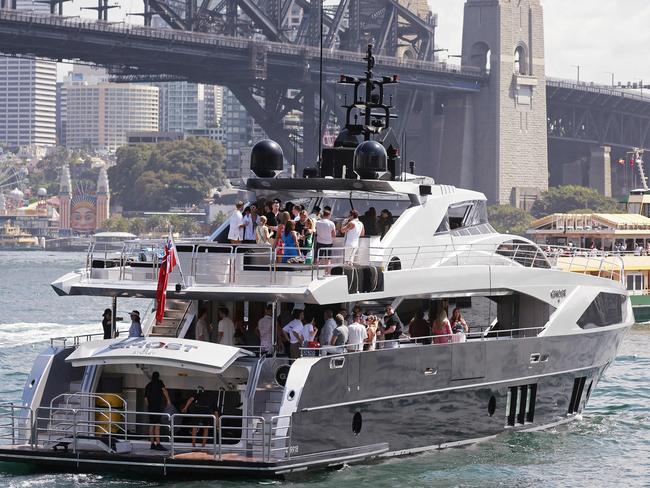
(320, 89)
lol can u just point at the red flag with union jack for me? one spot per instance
(167, 265)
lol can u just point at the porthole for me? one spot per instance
(357, 422)
(31, 385)
(492, 406)
(291, 395)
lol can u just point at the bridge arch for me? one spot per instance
(480, 56)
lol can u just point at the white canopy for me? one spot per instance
(163, 351)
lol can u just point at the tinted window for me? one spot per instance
(606, 309)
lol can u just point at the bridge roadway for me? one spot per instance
(206, 58)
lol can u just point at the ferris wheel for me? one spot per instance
(11, 177)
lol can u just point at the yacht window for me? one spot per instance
(466, 215)
(606, 309)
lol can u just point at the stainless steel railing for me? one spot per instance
(92, 428)
(484, 334)
(253, 265)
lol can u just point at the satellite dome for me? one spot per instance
(266, 158)
(41, 192)
(16, 194)
(370, 159)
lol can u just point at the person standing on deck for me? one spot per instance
(392, 328)
(293, 332)
(202, 329)
(328, 329)
(353, 230)
(226, 334)
(136, 329)
(356, 334)
(107, 323)
(236, 230)
(155, 399)
(265, 326)
(340, 335)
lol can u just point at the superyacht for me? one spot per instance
(538, 340)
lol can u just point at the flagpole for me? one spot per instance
(178, 259)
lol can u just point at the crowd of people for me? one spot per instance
(298, 236)
(331, 333)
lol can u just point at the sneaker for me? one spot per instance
(160, 447)
(153, 446)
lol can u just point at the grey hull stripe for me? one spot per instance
(449, 388)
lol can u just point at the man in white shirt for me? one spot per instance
(325, 234)
(353, 230)
(356, 334)
(236, 231)
(293, 332)
(226, 328)
(265, 326)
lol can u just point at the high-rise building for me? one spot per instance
(187, 106)
(28, 96)
(99, 116)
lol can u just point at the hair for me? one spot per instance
(239, 204)
(269, 306)
(419, 314)
(284, 217)
(263, 219)
(339, 319)
(296, 313)
(224, 311)
(327, 208)
(328, 314)
(202, 311)
(453, 313)
(354, 214)
(441, 315)
(247, 210)
(289, 227)
(356, 317)
(326, 213)
(316, 209)
(155, 375)
(304, 212)
(107, 312)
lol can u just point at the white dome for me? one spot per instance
(16, 194)
(42, 192)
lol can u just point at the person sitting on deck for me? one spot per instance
(199, 404)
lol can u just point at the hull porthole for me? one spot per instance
(492, 406)
(357, 422)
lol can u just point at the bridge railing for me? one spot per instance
(226, 41)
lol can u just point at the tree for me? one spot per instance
(116, 224)
(509, 220)
(564, 199)
(167, 174)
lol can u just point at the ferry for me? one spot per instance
(14, 239)
(539, 338)
(626, 235)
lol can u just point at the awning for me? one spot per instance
(171, 352)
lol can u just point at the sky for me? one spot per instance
(602, 36)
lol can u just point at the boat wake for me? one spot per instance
(26, 333)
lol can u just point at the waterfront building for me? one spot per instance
(99, 116)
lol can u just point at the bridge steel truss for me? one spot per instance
(597, 115)
(261, 70)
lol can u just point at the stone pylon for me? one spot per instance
(508, 149)
(65, 197)
(103, 198)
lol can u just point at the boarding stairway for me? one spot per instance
(176, 319)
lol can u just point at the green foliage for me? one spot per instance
(167, 174)
(116, 224)
(509, 220)
(219, 219)
(564, 199)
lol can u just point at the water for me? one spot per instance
(610, 446)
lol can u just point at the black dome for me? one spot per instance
(370, 158)
(266, 158)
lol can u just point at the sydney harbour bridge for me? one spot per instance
(273, 70)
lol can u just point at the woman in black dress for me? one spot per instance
(107, 323)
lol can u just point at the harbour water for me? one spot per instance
(609, 446)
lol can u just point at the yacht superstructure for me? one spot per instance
(539, 338)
